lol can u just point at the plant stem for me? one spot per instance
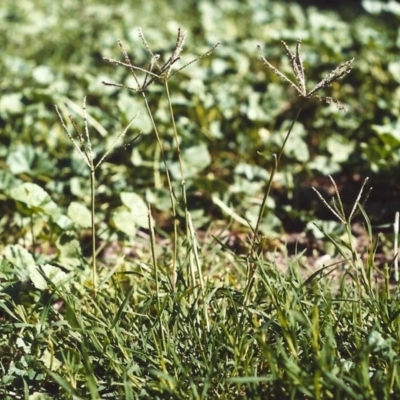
(153, 255)
(171, 193)
(396, 246)
(180, 160)
(92, 204)
(271, 178)
(256, 247)
(183, 185)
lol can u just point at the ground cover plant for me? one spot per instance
(185, 209)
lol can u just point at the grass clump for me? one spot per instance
(190, 318)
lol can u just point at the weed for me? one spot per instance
(157, 72)
(296, 64)
(84, 147)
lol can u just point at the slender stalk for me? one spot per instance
(92, 201)
(33, 234)
(181, 170)
(84, 148)
(178, 150)
(164, 72)
(153, 254)
(171, 193)
(256, 248)
(396, 246)
(271, 178)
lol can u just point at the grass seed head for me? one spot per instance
(296, 64)
(155, 71)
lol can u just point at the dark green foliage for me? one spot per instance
(229, 103)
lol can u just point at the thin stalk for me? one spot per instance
(171, 193)
(396, 246)
(194, 258)
(92, 204)
(181, 170)
(178, 150)
(156, 168)
(256, 247)
(33, 235)
(194, 262)
(271, 178)
(84, 148)
(359, 267)
(195, 254)
(153, 254)
(363, 268)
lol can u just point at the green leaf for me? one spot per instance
(20, 159)
(339, 148)
(39, 396)
(129, 107)
(160, 198)
(37, 278)
(270, 225)
(7, 180)
(130, 216)
(394, 69)
(324, 165)
(26, 268)
(389, 133)
(124, 221)
(69, 251)
(27, 348)
(21, 259)
(251, 172)
(30, 160)
(195, 160)
(137, 208)
(43, 74)
(34, 199)
(80, 215)
(296, 147)
(376, 341)
(50, 362)
(372, 6)
(63, 222)
(11, 104)
(54, 274)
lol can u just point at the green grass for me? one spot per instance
(120, 304)
(138, 338)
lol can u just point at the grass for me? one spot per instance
(193, 319)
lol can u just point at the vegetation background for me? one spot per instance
(51, 60)
(232, 114)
